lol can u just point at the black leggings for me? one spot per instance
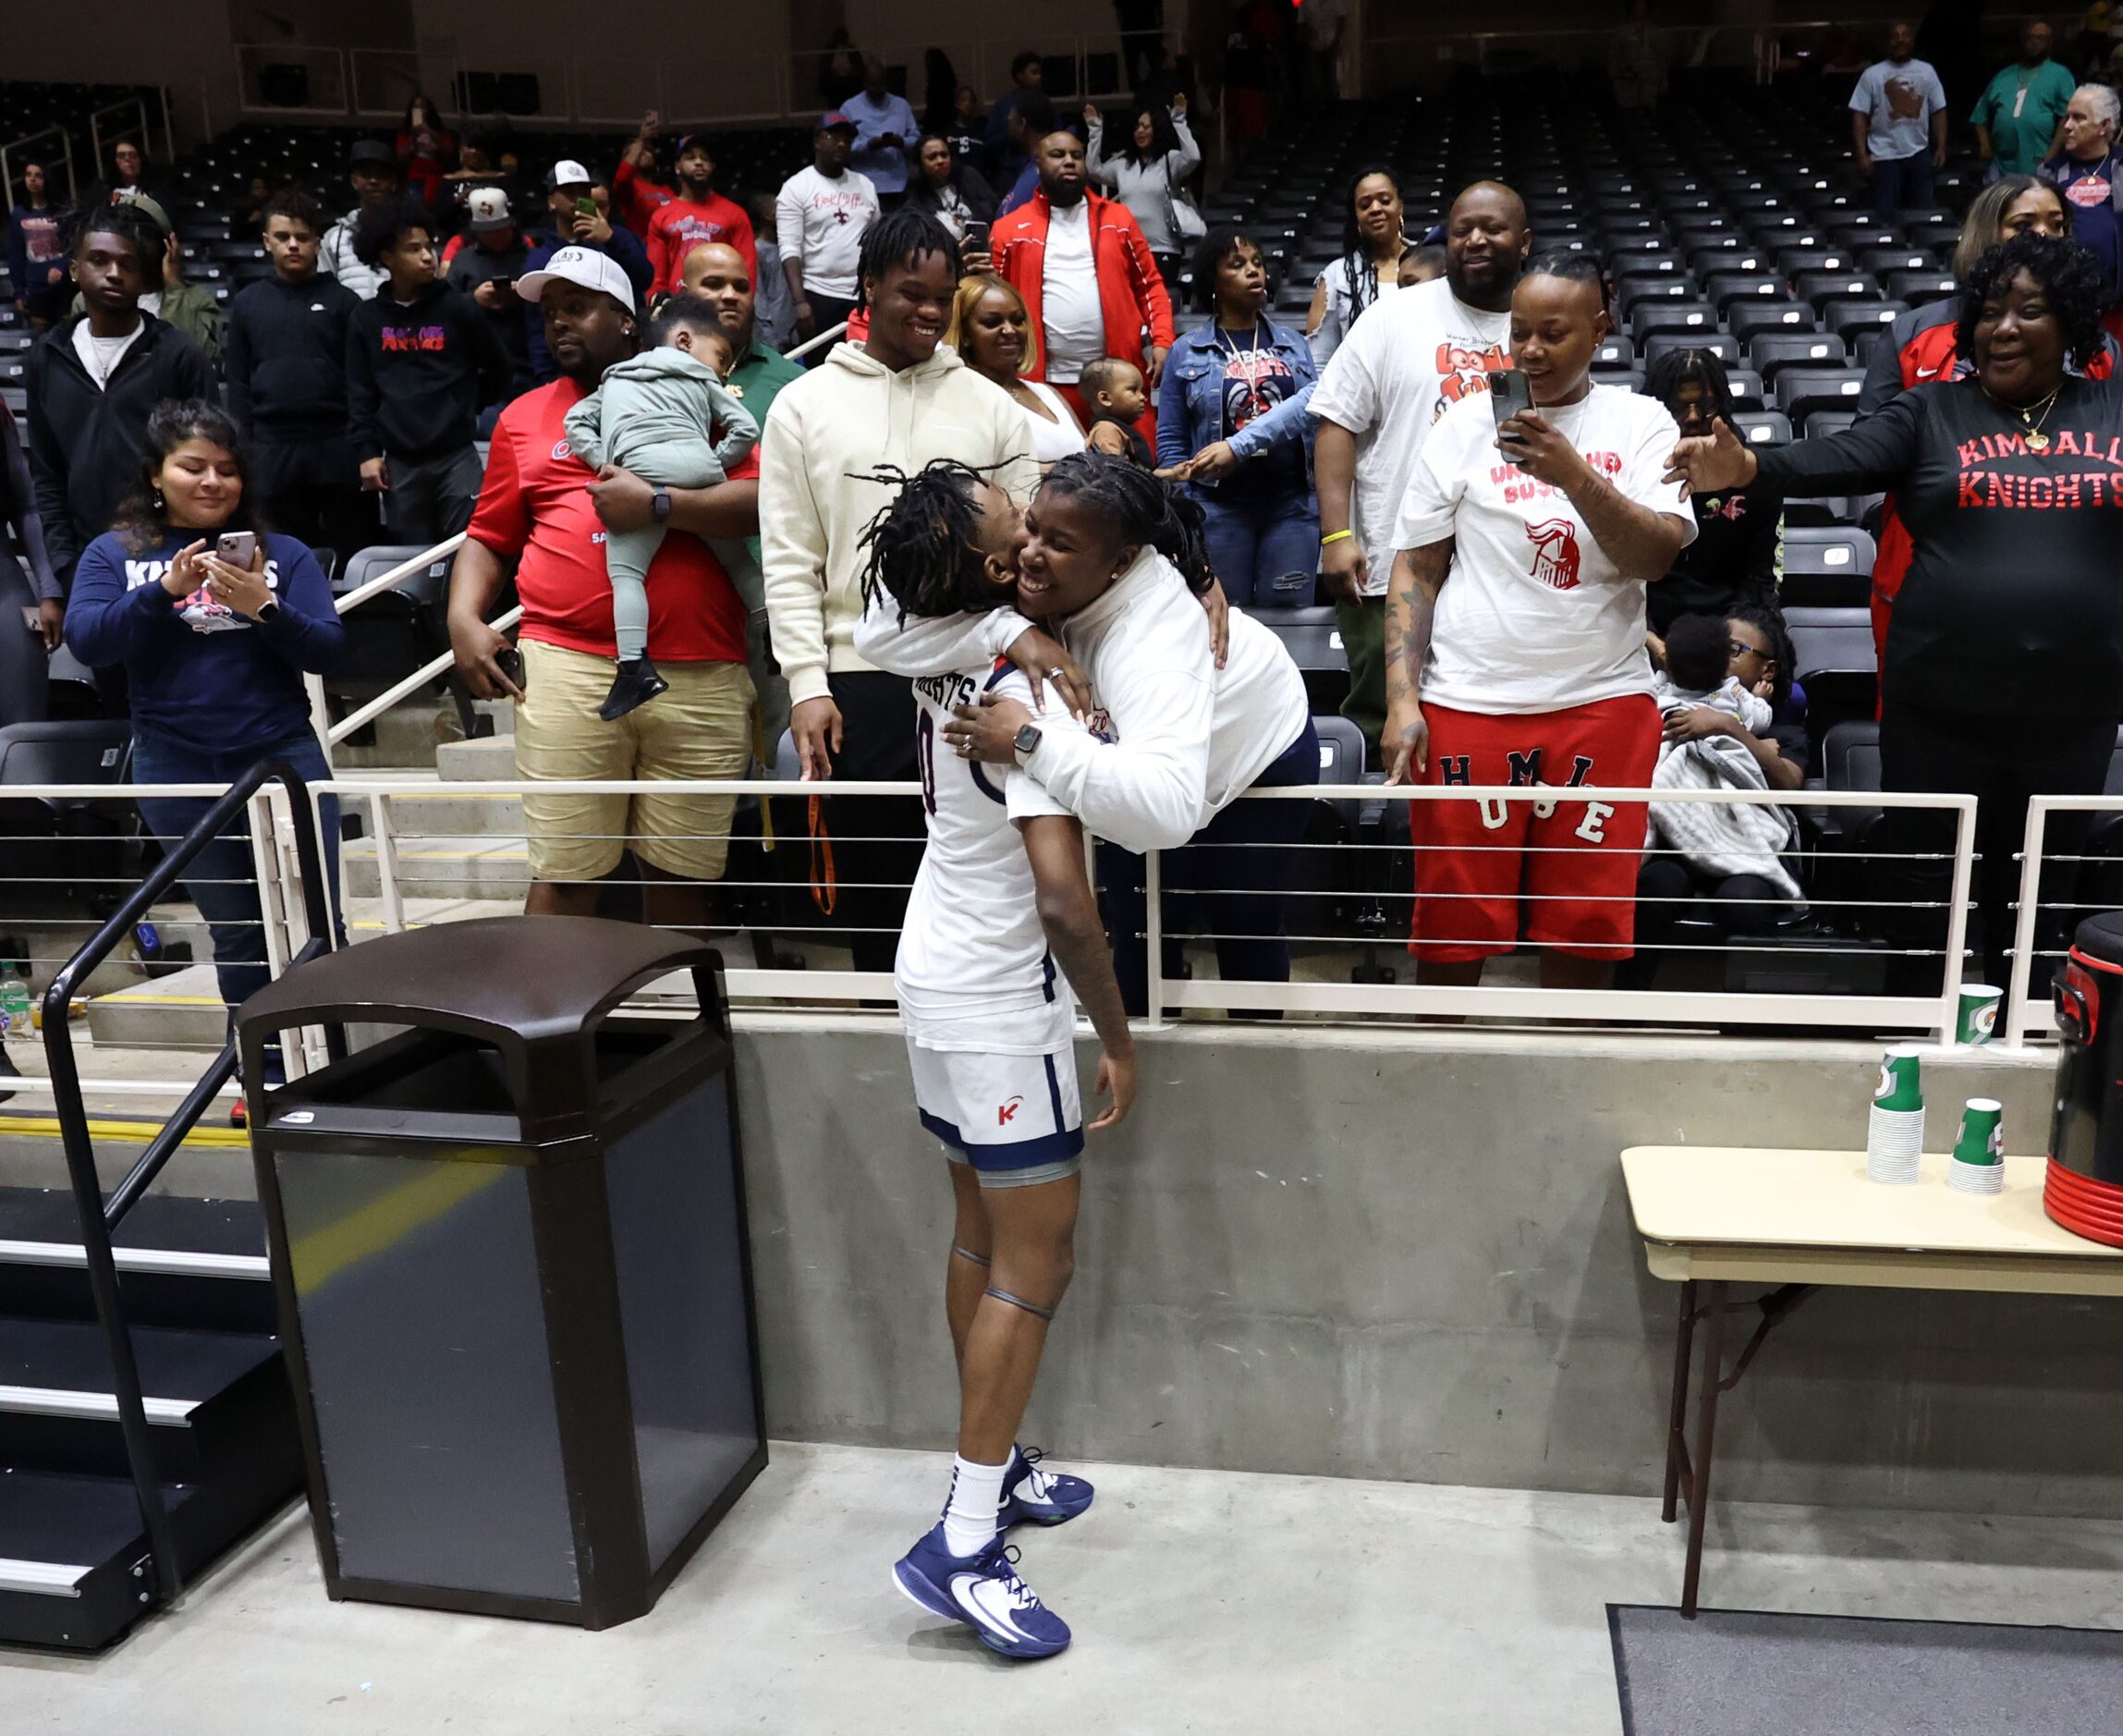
(2002, 761)
(23, 681)
(1744, 905)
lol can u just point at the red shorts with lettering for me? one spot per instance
(1567, 865)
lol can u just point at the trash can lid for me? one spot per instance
(526, 979)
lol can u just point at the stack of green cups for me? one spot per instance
(1894, 1136)
(1977, 1164)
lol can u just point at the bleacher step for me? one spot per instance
(463, 866)
(415, 819)
(473, 762)
(182, 1011)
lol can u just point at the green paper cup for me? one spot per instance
(1977, 1021)
(1899, 1086)
(1982, 1132)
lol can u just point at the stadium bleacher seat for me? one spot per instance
(1800, 391)
(1750, 317)
(1763, 427)
(1827, 567)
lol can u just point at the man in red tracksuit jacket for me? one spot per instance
(1087, 276)
(1920, 345)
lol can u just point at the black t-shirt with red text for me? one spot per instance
(2013, 604)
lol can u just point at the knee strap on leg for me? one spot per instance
(1018, 1302)
(965, 1253)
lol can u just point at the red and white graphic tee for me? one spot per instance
(1534, 617)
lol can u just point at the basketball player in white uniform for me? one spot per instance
(1001, 927)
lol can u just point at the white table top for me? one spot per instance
(1812, 1216)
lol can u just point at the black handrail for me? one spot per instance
(97, 1219)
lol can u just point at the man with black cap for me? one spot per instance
(543, 508)
(373, 172)
(486, 263)
(820, 216)
(699, 214)
(580, 203)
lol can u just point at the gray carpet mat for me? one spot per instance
(1742, 1673)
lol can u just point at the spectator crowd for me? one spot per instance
(669, 411)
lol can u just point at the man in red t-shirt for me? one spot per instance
(543, 507)
(699, 214)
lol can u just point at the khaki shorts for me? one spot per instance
(701, 728)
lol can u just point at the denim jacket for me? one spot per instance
(1190, 400)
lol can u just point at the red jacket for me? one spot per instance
(1131, 292)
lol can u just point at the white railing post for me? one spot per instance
(387, 863)
(1153, 933)
(1957, 915)
(2023, 927)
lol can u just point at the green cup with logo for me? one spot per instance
(1977, 1020)
(1899, 1086)
(1982, 1132)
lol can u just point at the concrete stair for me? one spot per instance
(415, 733)
(464, 846)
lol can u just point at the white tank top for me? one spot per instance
(1055, 439)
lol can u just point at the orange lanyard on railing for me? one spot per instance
(824, 881)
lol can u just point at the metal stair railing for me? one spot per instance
(100, 1218)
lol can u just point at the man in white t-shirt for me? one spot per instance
(1399, 369)
(1514, 638)
(820, 215)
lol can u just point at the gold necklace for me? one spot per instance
(2036, 440)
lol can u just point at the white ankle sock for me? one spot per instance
(976, 1496)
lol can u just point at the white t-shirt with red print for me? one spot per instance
(1410, 359)
(1534, 615)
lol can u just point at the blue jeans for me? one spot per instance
(1265, 549)
(1239, 867)
(223, 878)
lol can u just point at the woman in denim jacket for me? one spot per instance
(1254, 484)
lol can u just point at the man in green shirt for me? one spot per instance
(716, 271)
(2018, 119)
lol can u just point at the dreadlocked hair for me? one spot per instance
(924, 546)
(1139, 509)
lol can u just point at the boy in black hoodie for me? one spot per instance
(421, 360)
(287, 370)
(94, 380)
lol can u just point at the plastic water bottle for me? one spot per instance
(15, 1018)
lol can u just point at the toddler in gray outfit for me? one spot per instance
(657, 414)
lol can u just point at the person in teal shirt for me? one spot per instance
(2016, 120)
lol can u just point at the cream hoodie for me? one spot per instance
(825, 435)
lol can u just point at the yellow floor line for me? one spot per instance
(121, 1133)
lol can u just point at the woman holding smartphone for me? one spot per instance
(1535, 517)
(216, 621)
(950, 189)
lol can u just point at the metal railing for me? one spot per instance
(23, 151)
(101, 1217)
(498, 867)
(2028, 1012)
(130, 117)
(766, 87)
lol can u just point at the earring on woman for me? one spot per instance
(160, 504)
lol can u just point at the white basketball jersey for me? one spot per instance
(972, 945)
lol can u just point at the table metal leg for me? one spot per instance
(1676, 1417)
(1706, 1442)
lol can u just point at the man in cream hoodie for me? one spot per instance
(896, 401)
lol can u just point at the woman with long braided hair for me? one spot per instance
(1113, 558)
(1002, 898)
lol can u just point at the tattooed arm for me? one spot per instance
(1411, 606)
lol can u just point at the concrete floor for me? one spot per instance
(1201, 1601)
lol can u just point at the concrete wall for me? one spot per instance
(1409, 1257)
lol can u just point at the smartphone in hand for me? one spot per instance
(238, 547)
(1509, 392)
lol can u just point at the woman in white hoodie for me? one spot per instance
(900, 398)
(1116, 557)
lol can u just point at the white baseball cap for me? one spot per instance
(584, 266)
(569, 173)
(488, 209)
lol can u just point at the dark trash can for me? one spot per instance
(509, 1244)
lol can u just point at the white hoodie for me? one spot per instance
(1176, 739)
(827, 431)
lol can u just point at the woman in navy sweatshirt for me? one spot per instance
(215, 654)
